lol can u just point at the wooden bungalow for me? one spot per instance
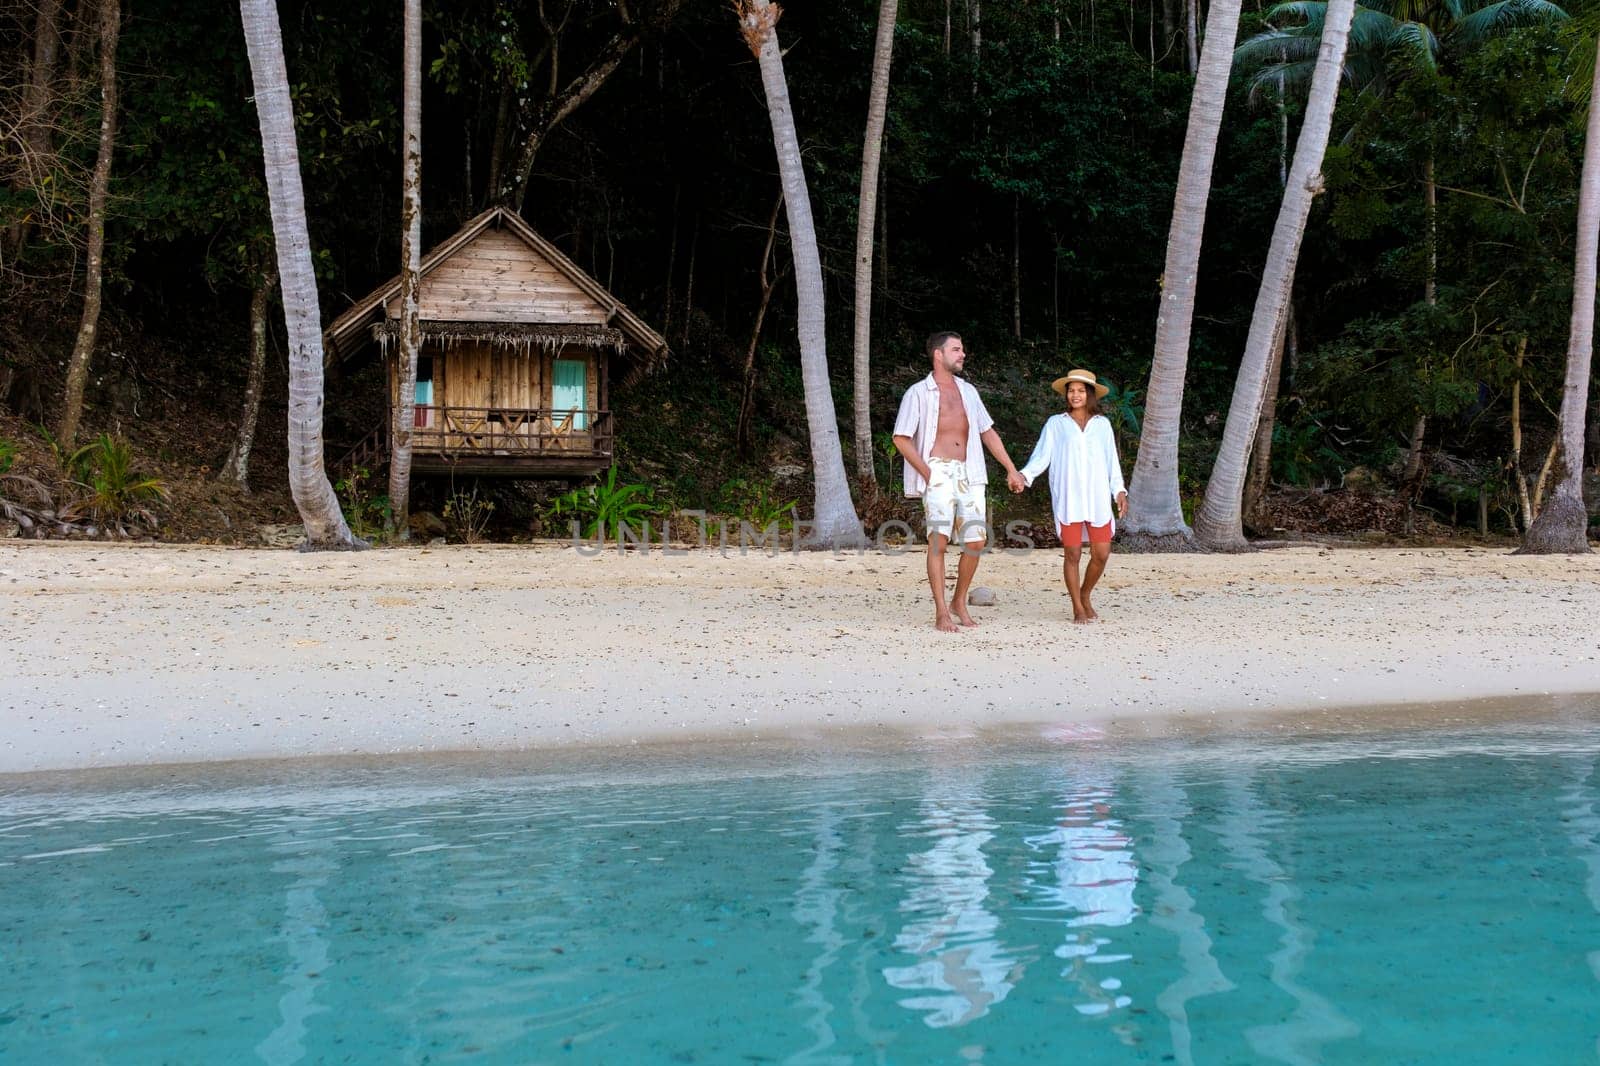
(519, 351)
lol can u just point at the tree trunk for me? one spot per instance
(866, 216)
(1016, 267)
(1260, 476)
(35, 119)
(1219, 525)
(688, 288)
(1192, 33)
(497, 147)
(308, 483)
(1155, 510)
(110, 27)
(835, 523)
(769, 282)
(405, 407)
(1563, 523)
(1259, 480)
(236, 467)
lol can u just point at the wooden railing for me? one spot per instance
(484, 431)
(372, 453)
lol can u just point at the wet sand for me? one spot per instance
(124, 655)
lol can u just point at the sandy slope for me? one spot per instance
(122, 655)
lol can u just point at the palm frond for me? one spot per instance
(1505, 15)
(1417, 44)
(1276, 47)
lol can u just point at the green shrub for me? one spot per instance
(756, 502)
(117, 497)
(8, 455)
(467, 515)
(603, 507)
(368, 516)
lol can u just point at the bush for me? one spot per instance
(757, 503)
(118, 498)
(467, 515)
(369, 517)
(8, 455)
(602, 508)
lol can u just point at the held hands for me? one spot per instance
(1015, 481)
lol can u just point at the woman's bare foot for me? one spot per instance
(965, 618)
(945, 624)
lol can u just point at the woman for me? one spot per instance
(1080, 452)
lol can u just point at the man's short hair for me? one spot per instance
(939, 340)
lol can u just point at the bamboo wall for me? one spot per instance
(483, 374)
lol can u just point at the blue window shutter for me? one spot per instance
(568, 388)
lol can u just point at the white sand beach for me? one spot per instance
(124, 655)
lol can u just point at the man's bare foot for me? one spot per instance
(1080, 619)
(945, 624)
(965, 618)
(1089, 614)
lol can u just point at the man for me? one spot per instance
(937, 432)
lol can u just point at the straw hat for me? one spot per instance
(1085, 376)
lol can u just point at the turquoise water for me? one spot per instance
(1059, 897)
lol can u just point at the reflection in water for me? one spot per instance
(1580, 814)
(310, 858)
(1174, 910)
(816, 907)
(1091, 877)
(1244, 830)
(964, 970)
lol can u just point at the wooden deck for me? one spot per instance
(505, 442)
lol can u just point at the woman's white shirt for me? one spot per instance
(1085, 474)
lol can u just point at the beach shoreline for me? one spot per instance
(143, 655)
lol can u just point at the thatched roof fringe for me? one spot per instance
(520, 337)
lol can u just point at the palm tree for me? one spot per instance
(99, 185)
(1390, 40)
(410, 273)
(866, 216)
(308, 482)
(1219, 526)
(1562, 525)
(1155, 512)
(835, 524)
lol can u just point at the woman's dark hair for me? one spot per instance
(1093, 404)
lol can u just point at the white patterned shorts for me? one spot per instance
(951, 502)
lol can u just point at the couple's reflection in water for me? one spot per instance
(963, 969)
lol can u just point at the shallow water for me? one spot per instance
(1416, 895)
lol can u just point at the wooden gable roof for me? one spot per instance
(497, 271)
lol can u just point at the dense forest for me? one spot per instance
(1030, 160)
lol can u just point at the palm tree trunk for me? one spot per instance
(110, 28)
(1220, 525)
(1562, 524)
(308, 482)
(866, 216)
(1155, 510)
(405, 409)
(236, 467)
(835, 523)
